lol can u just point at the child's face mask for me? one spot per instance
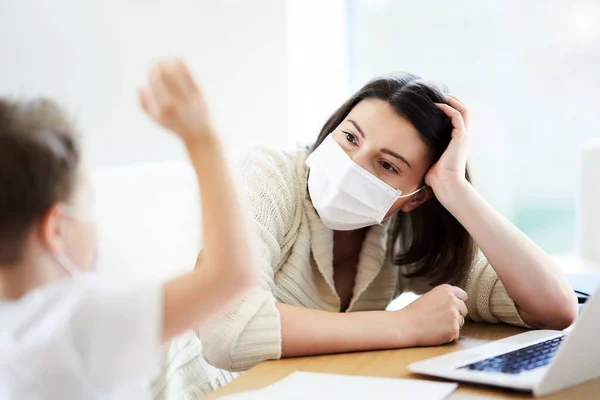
(62, 259)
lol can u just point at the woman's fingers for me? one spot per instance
(457, 104)
(461, 307)
(451, 96)
(459, 293)
(456, 117)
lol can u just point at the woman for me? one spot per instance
(382, 206)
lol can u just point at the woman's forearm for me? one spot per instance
(531, 277)
(309, 332)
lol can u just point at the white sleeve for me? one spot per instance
(117, 333)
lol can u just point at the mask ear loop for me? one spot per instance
(413, 193)
(67, 264)
(62, 260)
(71, 213)
(401, 196)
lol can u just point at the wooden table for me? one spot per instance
(394, 363)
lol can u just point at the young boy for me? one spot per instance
(64, 333)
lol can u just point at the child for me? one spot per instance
(64, 333)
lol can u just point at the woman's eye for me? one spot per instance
(388, 167)
(350, 137)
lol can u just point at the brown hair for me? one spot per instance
(433, 244)
(39, 158)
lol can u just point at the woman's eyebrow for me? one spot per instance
(396, 155)
(386, 151)
(357, 128)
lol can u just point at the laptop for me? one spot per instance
(540, 362)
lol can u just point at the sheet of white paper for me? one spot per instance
(316, 386)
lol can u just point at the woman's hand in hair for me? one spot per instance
(436, 317)
(449, 173)
(173, 99)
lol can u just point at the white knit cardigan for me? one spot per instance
(296, 251)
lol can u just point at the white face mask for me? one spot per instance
(346, 196)
(67, 265)
(65, 262)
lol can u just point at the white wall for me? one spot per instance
(92, 55)
(318, 65)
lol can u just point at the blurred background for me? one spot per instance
(274, 70)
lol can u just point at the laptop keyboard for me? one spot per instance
(517, 361)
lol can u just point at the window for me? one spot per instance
(528, 71)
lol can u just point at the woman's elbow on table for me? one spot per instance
(225, 354)
(565, 314)
(564, 310)
(245, 335)
(217, 352)
(558, 314)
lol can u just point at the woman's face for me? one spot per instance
(387, 146)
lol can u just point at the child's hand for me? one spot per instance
(173, 99)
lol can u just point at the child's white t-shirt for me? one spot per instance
(80, 339)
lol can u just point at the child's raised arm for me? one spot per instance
(228, 269)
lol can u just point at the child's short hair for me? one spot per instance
(39, 159)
